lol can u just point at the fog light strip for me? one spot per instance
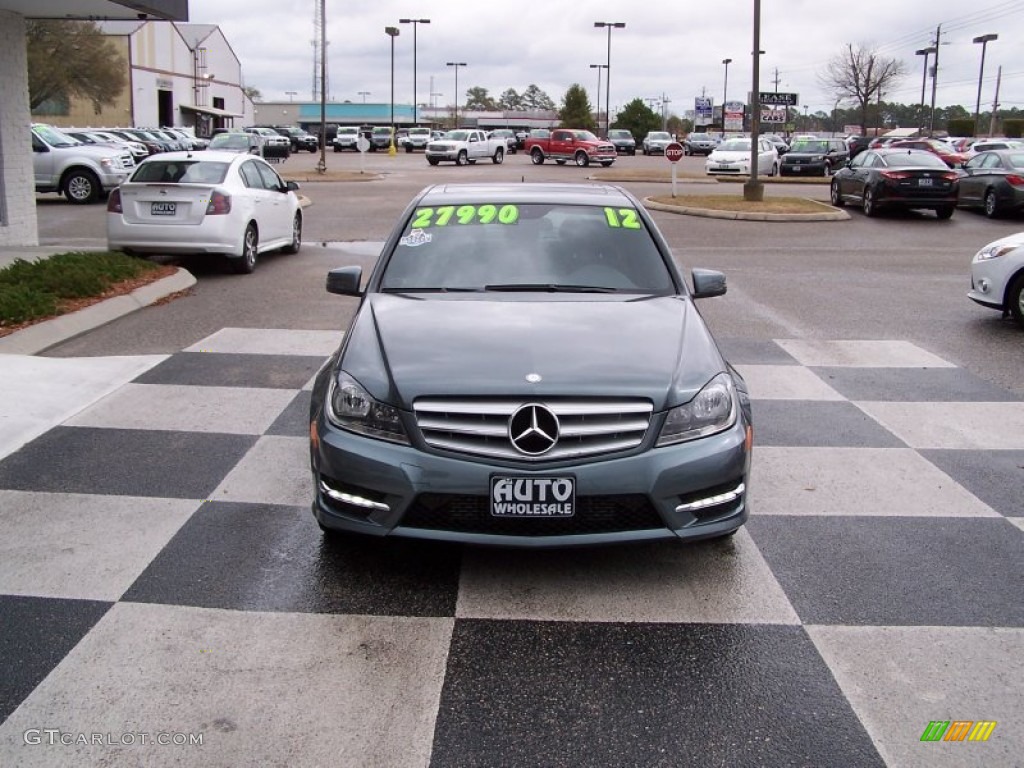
(356, 501)
(713, 501)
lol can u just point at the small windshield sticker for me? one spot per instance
(416, 237)
(623, 217)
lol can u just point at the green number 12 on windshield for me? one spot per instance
(622, 217)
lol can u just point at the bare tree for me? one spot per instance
(859, 74)
(72, 58)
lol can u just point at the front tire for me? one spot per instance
(991, 204)
(499, 156)
(81, 187)
(1015, 299)
(582, 160)
(250, 245)
(775, 170)
(433, 160)
(296, 243)
(537, 157)
(837, 198)
(462, 158)
(945, 212)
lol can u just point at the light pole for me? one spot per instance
(456, 64)
(753, 190)
(725, 91)
(984, 40)
(608, 66)
(415, 25)
(599, 67)
(364, 94)
(926, 52)
(392, 32)
(291, 95)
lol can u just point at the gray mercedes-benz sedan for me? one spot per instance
(527, 367)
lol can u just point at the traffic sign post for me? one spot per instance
(362, 144)
(674, 153)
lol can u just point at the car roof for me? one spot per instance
(207, 155)
(557, 193)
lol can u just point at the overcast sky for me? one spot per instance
(675, 53)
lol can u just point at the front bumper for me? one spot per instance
(378, 488)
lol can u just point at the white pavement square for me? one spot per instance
(971, 426)
(269, 341)
(861, 354)
(785, 382)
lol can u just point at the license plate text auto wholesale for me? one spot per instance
(533, 496)
(163, 209)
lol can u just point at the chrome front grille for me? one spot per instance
(480, 427)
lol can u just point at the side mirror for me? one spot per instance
(707, 283)
(292, 186)
(345, 281)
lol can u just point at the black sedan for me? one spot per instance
(527, 367)
(994, 182)
(897, 178)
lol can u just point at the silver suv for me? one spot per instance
(81, 172)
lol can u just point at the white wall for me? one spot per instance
(17, 185)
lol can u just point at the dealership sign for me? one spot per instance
(778, 99)
(703, 111)
(734, 115)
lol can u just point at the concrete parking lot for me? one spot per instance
(162, 574)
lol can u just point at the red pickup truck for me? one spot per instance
(564, 144)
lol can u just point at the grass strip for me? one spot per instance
(30, 290)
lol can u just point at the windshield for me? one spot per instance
(457, 135)
(809, 146)
(181, 172)
(699, 137)
(419, 131)
(55, 138)
(381, 131)
(734, 145)
(1016, 160)
(526, 247)
(659, 136)
(584, 136)
(619, 135)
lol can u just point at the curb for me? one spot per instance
(710, 213)
(36, 338)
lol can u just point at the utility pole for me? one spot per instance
(995, 103)
(935, 78)
(777, 79)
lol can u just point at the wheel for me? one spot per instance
(433, 160)
(337, 148)
(560, 162)
(408, 149)
(837, 198)
(462, 158)
(607, 163)
(81, 187)
(643, 150)
(945, 212)
(537, 157)
(296, 243)
(632, 152)
(472, 161)
(582, 160)
(250, 243)
(512, 150)
(1015, 299)
(828, 170)
(687, 151)
(991, 204)
(775, 170)
(868, 203)
(499, 155)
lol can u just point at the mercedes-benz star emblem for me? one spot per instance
(533, 378)
(533, 429)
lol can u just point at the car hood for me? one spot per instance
(402, 347)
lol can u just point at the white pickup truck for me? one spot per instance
(465, 145)
(81, 172)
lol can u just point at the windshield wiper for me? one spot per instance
(433, 289)
(548, 288)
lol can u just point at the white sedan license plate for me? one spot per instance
(533, 496)
(924, 182)
(163, 209)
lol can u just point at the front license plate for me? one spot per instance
(533, 496)
(163, 209)
(924, 182)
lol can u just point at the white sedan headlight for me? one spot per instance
(994, 251)
(712, 410)
(351, 407)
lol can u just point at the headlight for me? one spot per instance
(106, 162)
(994, 251)
(713, 410)
(817, 158)
(350, 407)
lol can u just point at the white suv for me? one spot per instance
(346, 138)
(418, 138)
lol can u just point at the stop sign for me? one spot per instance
(673, 152)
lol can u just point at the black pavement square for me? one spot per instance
(739, 351)
(124, 462)
(912, 385)
(576, 694)
(294, 420)
(263, 557)
(995, 477)
(36, 633)
(814, 423)
(903, 571)
(216, 369)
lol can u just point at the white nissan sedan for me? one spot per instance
(208, 202)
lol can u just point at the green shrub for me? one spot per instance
(1013, 129)
(960, 127)
(33, 289)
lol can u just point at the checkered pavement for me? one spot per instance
(161, 573)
